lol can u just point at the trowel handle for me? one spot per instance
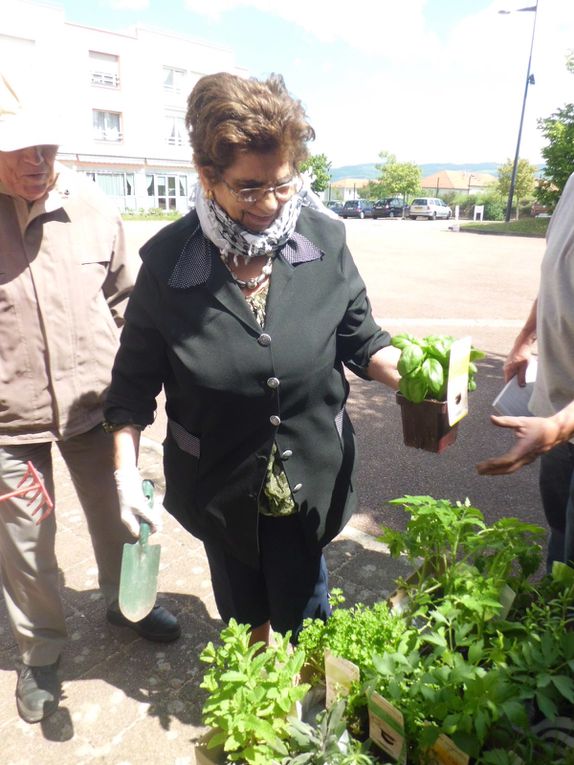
(147, 488)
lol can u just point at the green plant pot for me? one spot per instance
(425, 425)
(205, 756)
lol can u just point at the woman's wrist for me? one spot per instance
(113, 427)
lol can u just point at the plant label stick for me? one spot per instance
(457, 390)
(387, 728)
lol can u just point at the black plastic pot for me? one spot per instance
(425, 425)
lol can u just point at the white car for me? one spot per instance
(429, 207)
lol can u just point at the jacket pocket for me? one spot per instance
(186, 441)
(339, 423)
(180, 465)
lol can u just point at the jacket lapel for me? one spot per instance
(298, 250)
(199, 265)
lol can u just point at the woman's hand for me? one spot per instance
(134, 507)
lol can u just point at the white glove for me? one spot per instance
(134, 507)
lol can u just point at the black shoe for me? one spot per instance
(37, 692)
(159, 625)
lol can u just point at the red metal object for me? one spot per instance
(31, 482)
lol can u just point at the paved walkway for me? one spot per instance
(127, 701)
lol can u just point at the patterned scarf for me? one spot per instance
(233, 240)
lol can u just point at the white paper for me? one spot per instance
(513, 400)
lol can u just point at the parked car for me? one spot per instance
(357, 208)
(390, 207)
(335, 206)
(429, 207)
(540, 211)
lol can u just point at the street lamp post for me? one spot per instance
(529, 81)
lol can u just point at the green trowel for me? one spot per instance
(140, 567)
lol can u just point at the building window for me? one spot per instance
(173, 80)
(114, 184)
(175, 133)
(107, 126)
(166, 190)
(104, 69)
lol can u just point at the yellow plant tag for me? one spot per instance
(340, 674)
(457, 386)
(445, 752)
(387, 728)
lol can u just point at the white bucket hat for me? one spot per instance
(23, 123)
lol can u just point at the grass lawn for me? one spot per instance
(522, 227)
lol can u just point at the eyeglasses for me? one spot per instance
(283, 192)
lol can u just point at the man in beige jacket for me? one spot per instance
(64, 282)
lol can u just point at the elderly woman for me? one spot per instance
(246, 311)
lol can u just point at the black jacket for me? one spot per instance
(232, 388)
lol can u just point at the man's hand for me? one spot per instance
(134, 507)
(516, 363)
(534, 436)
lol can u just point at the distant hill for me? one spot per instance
(370, 172)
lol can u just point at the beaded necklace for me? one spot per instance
(254, 282)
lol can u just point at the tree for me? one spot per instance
(558, 129)
(318, 167)
(398, 178)
(374, 190)
(524, 183)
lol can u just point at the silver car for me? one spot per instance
(430, 208)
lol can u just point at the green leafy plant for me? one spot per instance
(443, 692)
(327, 742)
(460, 678)
(252, 693)
(446, 540)
(493, 673)
(423, 366)
(354, 634)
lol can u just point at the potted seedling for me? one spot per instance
(252, 695)
(436, 373)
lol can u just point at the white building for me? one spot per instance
(122, 97)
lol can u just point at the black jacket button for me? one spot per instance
(264, 340)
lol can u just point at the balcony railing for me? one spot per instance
(113, 136)
(105, 79)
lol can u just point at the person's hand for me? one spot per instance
(534, 436)
(134, 507)
(516, 362)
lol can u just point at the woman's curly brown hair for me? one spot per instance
(227, 114)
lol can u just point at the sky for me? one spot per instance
(426, 80)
